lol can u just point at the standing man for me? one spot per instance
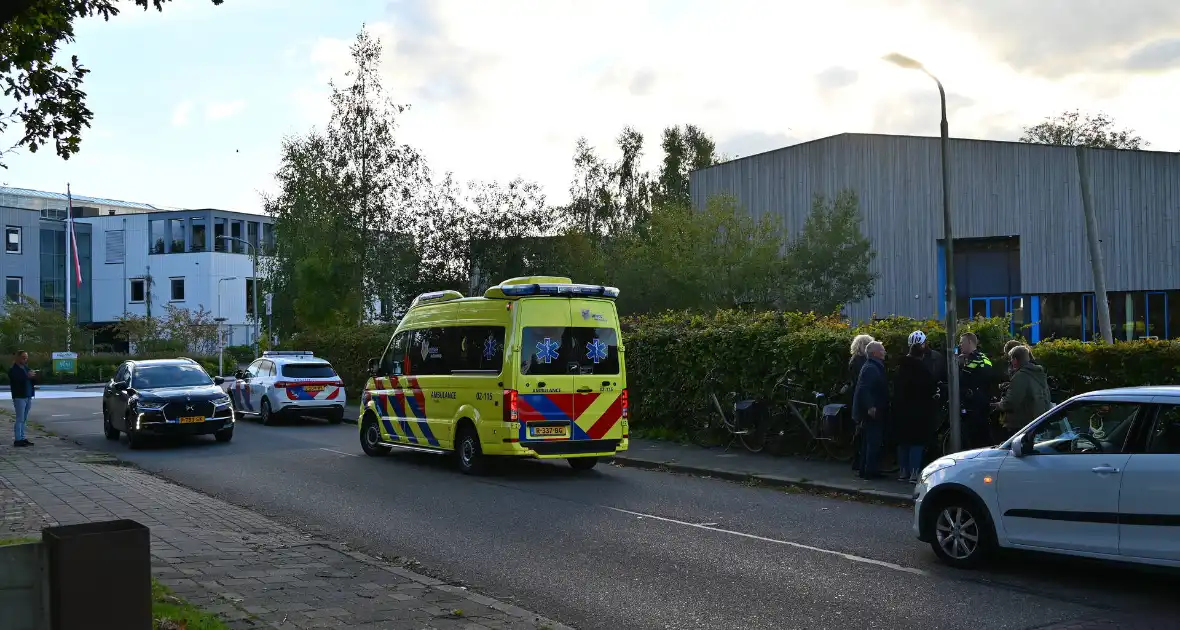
(976, 377)
(20, 382)
(870, 407)
(1027, 397)
(931, 358)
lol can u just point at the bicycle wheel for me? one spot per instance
(837, 450)
(703, 433)
(753, 435)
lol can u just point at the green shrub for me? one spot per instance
(95, 368)
(238, 355)
(670, 355)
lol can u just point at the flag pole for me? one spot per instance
(68, 237)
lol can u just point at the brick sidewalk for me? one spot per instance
(250, 570)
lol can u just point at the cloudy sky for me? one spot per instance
(191, 104)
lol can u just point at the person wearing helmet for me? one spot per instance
(931, 358)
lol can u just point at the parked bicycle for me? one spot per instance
(822, 427)
(738, 419)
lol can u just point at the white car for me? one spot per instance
(1097, 476)
(288, 383)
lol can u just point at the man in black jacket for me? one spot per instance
(870, 406)
(21, 384)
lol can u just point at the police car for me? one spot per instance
(288, 384)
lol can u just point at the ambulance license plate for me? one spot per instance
(191, 419)
(549, 432)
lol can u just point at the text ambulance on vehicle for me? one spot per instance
(534, 368)
(288, 384)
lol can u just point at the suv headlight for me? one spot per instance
(221, 402)
(937, 465)
(149, 405)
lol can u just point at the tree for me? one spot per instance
(829, 262)
(1072, 128)
(48, 97)
(348, 204)
(685, 150)
(180, 330)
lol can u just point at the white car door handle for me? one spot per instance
(1105, 470)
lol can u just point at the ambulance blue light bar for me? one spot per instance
(587, 290)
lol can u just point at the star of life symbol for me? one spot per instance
(490, 348)
(596, 351)
(547, 350)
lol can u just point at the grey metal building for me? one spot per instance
(1020, 235)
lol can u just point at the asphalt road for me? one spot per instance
(624, 548)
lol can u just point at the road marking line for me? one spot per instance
(846, 556)
(60, 415)
(339, 452)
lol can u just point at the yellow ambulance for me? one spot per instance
(533, 368)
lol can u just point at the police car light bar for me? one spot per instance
(589, 290)
(288, 353)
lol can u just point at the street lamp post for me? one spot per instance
(254, 273)
(220, 331)
(952, 365)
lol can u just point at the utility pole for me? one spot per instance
(1100, 303)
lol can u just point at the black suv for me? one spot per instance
(165, 397)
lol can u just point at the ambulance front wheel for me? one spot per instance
(582, 463)
(371, 437)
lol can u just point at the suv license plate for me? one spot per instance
(192, 419)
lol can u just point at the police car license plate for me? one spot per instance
(191, 419)
(549, 432)
(313, 389)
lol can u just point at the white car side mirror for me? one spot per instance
(1018, 446)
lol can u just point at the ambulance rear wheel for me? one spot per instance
(469, 453)
(371, 438)
(582, 463)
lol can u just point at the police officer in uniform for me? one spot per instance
(976, 378)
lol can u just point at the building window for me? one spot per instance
(177, 289)
(268, 238)
(218, 233)
(116, 247)
(235, 231)
(199, 235)
(157, 236)
(138, 290)
(252, 233)
(13, 288)
(250, 297)
(12, 240)
(176, 233)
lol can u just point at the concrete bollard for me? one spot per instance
(100, 576)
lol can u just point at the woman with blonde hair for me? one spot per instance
(859, 352)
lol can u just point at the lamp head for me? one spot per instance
(903, 61)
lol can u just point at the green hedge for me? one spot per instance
(348, 349)
(669, 356)
(95, 368)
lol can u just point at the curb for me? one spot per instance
(778, 481)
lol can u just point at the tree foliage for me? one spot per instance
(179, 330)
(46, 94)
(26, 325)
(829, 262)
(1073, 128)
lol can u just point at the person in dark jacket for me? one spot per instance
(977, 378)
(1027, 397)
(21, 382)
(870, 408)
(914, 411)
(855, 363)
